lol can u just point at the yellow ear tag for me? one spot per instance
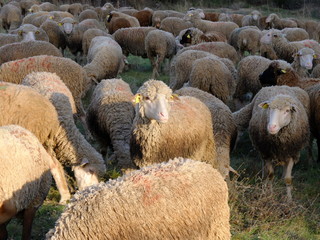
(188, 36)
(51, 17)
(60, 23)
(265, 106)
(137, 99)
(283, 71)
(20, 33)
(174, 97)
(314, 56)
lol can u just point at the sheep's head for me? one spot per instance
(271, 17)
(85, 174)
(281, 108)
(271, 36)
(255, 15)
(305, 57)
(67, 24)
(153, 101)
(270, 75)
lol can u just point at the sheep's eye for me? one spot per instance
(37, 32)
(146, 98)
(288, 110)
(275, 36)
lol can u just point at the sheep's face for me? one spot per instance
(67, 25)
(305, 57)
(255, 15)
(271, 36)
(279, 116)
(85, 175)
(186, 38)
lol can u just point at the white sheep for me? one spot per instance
(165, 127)
(280, 23)
(179, 199)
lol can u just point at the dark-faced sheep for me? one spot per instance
(192, 197)
(162, 120)
(278, 128)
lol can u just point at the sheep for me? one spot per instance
(30, 32)
(29, 18)
(132, 40)
(212, 16)
(266, 50)
(71, 73)
(160, 121)
(315, 72)
(144, 17)
(159, 45)
(192, 196)
(193, 36)
(295, 34)
(75, 9)
(303, 61)
(211, 75)
(71, 147)
(19, 50)
(313, 28)
(115, 23)
(109, 118)
(132, 20)
(89, 35)
(249, 40)
(46, 6)
(174, 25)
(158, 16)
(88, 14)
(105, 59)
(285, 49)
(280, 23)
(252, 19)
(55, 35)
(233, 41)
(278, 128)
(10, 17)
(224, 127)
(26, 4)
(249, 69)
(236, 18)
(25, 177)
(207, 26)
(221, 49)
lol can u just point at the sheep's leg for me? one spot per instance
(268, 174)
(287, 170)
(60, 179)
(154, 63)
(28, 217)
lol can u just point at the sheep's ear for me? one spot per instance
(30, 10)
(315, 56)
(137, 98)
(51, 17)
(37, 32)
(84, 162)
(264, 105)
(283, 71)
(60, 23)
(20, 32)
(174, 97)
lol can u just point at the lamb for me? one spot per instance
(221, 49)
(224, 127)
(89, 35)
(55, 35)
(295, 34)
(25, 177)
(207, 26)
(278, 128)
(132, 40)
(192, 196)
(159, 45)
(249, 69)
(280, 23)
(193, 36)
(285, 49)
(10, 17)
(160, 122)
(174, 25)
(19, 50)
(211, 75)
(105, 59)
(71, 147)
(109, 118)
(71, 73)
(252, 19)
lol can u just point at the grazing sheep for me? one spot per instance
(249, 69)
(295, 34)
(71, 147)
(249, 40)
(19, 50)
(280, 23)
(132, 40)
(89, 35)
(192, 198)
(252, 19)
(105, 59)
(56, 36)
(193, 36)
(159, 45)
(224, 127)
(162, 120)
(174, 25)
(115, 23)
(132, 20)
(278, 128)
(71, 73)
(285, 49)
(221, 49)
(88, 14)
(25, 177)
(10, 17)
(144, 17)
(211, 75)
(109, 118)
(233, 41)
(207, 26)
(158, 16)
